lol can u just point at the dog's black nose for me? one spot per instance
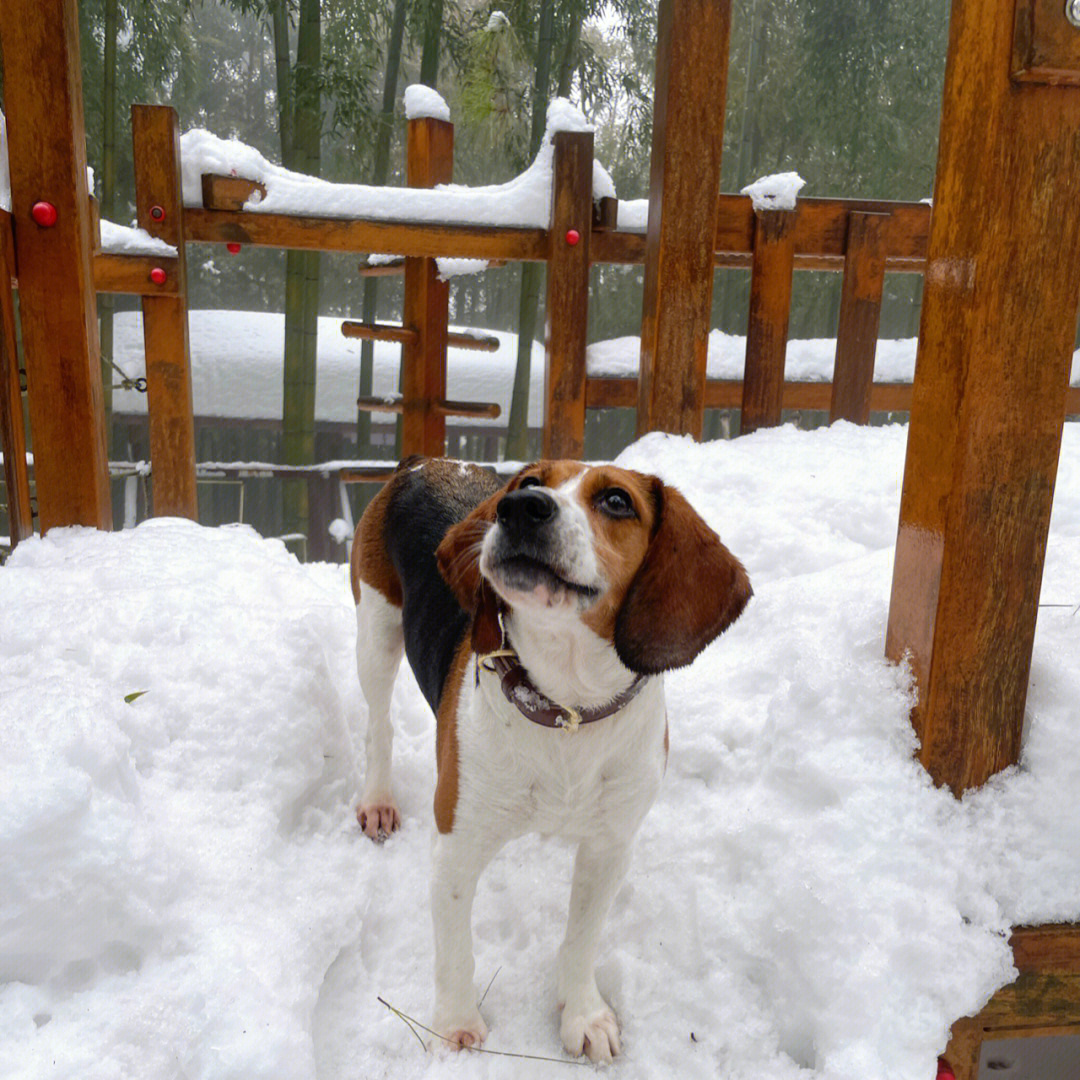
(521, 511)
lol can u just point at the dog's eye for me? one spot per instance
(615, 503)
(530, 481)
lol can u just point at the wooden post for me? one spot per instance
(860, 316)
(767, 325)
(567, 304)
(684, 184)
(429, 161)
(998, 320)
(58, 312)
(160, 210)
(12, 428)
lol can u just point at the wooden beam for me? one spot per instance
(998, 325)
(131, 274)
(12, 427)
(767, 323)
(160, 211)
(567, 304)
(58, 314)
(370, 331)
(684, 183)
(429, 160)
(860, 317)
(228, 192)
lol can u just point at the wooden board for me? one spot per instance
(767, 323)
(567, 304)
(684, 184)
(12, 428)
(160, 211)
(58, 310)
(131, 274)
(996, 341)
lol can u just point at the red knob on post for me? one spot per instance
(158, 276)
(44, 213)
(572, 236)
(157, 213)
(233, 248)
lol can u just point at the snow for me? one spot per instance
(421, 100)
(186, 893)
(496, 21)
(236, 359)
(524, 201)
(779, 191)
(128, 240)
(5, 175)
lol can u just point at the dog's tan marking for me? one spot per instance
(370, 562)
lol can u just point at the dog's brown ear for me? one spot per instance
(458, 554)
(688, 590)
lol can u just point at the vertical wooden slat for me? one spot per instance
(567, 304)
(684, 184)
(860, 316)
(58, 314)
(998, 323)
(156, 147)
(429, 161)
(12, 429)
(767, 325)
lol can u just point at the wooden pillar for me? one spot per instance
(160, 209)
(860, 317)
(58, 313)
(767, 325)
(998, 320)
(429, 161)
(12, 428)
(684, 185)
(567, 304)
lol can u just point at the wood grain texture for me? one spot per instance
(684, 184)
(998, 321)
(131, 274)
(767, 322)
(429, 160)
(567, 304)
(860, 317)
(58, 312)
(12, 427)
(1046, 48)
(171, 415)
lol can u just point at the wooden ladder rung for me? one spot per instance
(228, 192)
(370, 331)
(395, 404)
(465, 340)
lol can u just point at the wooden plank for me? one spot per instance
(394, 237)
(767, 323)
(998, 325)
(1046, 48)
(160, 211)
(369, 331)
(478, 410)
(860, 317)
(684, 183)
(228, 192)
(12, 428)
(131, 274)
(567, 303)
(429, 160)
(58, 313)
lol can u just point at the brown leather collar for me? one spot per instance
(538, 707)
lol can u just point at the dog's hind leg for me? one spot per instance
(380, 645)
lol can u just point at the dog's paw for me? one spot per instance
(378, 817)
(590, 1028)
(460, 1034)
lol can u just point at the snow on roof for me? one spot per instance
(185, 891)
(421, 100)
(524, 201)
(780, 191)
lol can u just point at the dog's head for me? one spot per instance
(619, 550)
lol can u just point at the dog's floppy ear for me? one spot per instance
(688, 589)
(458, 556)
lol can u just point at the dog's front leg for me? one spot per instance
(588, 1023)
(456, 864)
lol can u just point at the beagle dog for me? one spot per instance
(538, 617)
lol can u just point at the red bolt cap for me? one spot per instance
(157, 213)
(572, 236)
(44, 213)
(233, 249)
(158, 276)
(944, 1070)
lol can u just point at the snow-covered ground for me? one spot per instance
(186, 894)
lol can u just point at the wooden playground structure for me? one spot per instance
(1000, 253)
